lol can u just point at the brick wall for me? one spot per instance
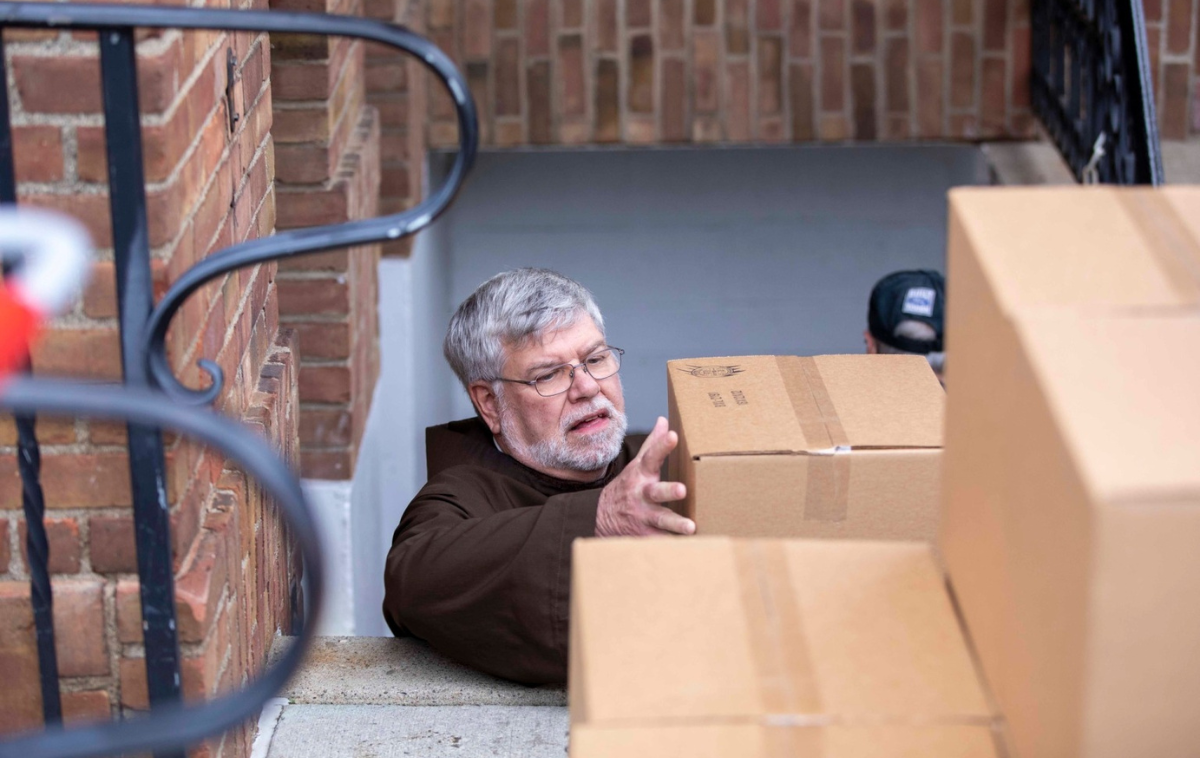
(746, 71)
(207, 187)
(328, 171)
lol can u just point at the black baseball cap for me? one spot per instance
(917, 295)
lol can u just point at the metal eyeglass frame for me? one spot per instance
(573, 366)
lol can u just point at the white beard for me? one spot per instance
(590, 453)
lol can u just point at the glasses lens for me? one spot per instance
(603, 364)
(555, 382)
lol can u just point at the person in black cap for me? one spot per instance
(905, 316)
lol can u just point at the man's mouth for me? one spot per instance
(590, 422)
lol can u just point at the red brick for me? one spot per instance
(79, 627)
(800, 31)
(91, 210)
(863, 17)
(508, 78)
(326, 464)
(57, 84)
(1179, 26)
(895, 14)
(641, 74)
(111, 545)
(86, 707)
(20, 697)
(737, 27)
(995, 25)
(993, 113)
(831, 15)
(334, 260)
(606, 25)
(572, 95)
(129, 611)
(1022, 64)
(930, 92)
(1153, 10)
(929, 26)
(674, 105)
(833, 73)
(325, 427)
(1173, 120)
(538, 88)
(608, 105)
(770, 75)
(862, 93)
(895, 71)
(671, 34)
(737, 96)
(800, 82)
(5, 549)
(477, 32)
(537, 28)
(506, 14)
(37, 153)
(571, 13)
(62, 534)
(706, 68)
(898, 128)
(72, 481)
(704, 12)
(199, 588)
(833, 128)
(963, 126)
(962, 12)
(441, 14)
(93, 353)
(962, 70)
(325, 384)
(637, 13)
(133, 681)
(306, 297)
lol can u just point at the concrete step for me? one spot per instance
(375, 697)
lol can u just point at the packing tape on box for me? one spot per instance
(777, 641)
(1168, 236)
(827, 491)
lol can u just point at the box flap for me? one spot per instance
(788, 404)
(1125, 393)
(1109, 247)
(675, 630)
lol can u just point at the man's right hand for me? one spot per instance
(629, 505)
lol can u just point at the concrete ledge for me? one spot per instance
(1181, 161)
(1026, 163)
(389, 671)
(381, 731)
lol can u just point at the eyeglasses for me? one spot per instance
(554, 381)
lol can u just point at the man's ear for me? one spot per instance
(872, 348)
(486, 403)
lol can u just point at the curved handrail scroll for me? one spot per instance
(169, 726)
(293, 242)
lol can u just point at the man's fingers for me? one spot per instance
(657, 447)
(664, 492)
(670, 521)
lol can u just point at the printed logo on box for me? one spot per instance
(712, 372)
(919, 301)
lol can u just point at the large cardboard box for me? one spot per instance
(714, 646)
(842, 446)
(1071, 512)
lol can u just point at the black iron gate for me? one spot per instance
(1091, 88)
(152, 397)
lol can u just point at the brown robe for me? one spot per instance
(480, 566)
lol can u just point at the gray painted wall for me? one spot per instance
(703, 252)
(690, 253)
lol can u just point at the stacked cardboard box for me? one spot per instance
(842, 446)
(712, 646)
(1071, 522)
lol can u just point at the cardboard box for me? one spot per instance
(1070, 523)
(711, 641)
(844, 446)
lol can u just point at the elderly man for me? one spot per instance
(480, 565)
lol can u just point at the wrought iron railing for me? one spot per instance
(1091, 88)
(148, 378)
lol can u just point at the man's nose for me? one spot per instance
(584, 386)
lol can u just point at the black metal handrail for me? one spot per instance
(172, 726)
(143, 328)
(1090, 86)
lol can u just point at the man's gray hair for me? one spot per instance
(919, 331)
(509, 311)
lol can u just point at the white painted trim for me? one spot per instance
(267, 721)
